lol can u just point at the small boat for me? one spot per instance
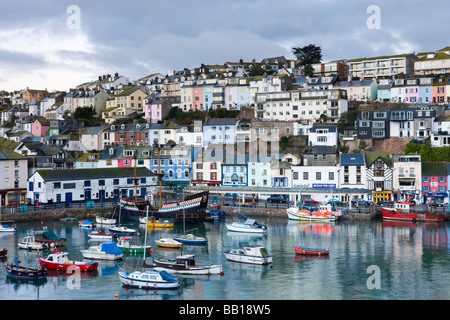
(185, 264)
(160, 223)
(249, 254)
(311, 252)
(68, 219)
(3, 252)
(216, 212)
(149, 280)
(49, 238)
(14, 270)
(249, 225)
(124, 245)
(324, 213)
(59, 260)
(100, 235)
(86, 224)
(190, 239)
(6, 228)
(102, 220)
(403, 211)
(29, 242)
(122, 230)
(104, 251)
(169, 243)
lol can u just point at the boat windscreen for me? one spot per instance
(263, 252)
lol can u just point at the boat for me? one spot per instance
(125, 245)
(149, 279)
(58, 260)
(100, 235)
(3, 252)
(249, 254)
(104, 251)
(102, 220)
(190, 239)
(403, 211)
(157, 223)
(185, 264)
(14, 270)
(6, 228)
(68, 219)
(49, 238)
(169, 243)
(86, 224)
(122, 230)
(216, 212)
(249, 225)
(311, 252)
(323, 213)
(29, 242)
(194, 207)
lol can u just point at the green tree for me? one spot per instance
(308, 71)
(308, 54)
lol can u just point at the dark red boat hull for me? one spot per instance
(311, 252)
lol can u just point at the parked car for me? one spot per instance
(277, 198)
(385, 203)
(361, 203)
(336, 202)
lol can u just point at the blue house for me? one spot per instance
(384, 90)
(235, 172)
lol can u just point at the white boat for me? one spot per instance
(250, 254)
(122, 230)
(102, 220)
(190, 239)
(185, 264)
(100, 235)
(324, 213)
(168, 243)
(86, 224)
(249, 225)
(149, 279)
(6, 228)
(30, 242)
(104, 251)
(125, 245)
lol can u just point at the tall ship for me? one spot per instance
(403, 211)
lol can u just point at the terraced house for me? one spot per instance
(129, 101)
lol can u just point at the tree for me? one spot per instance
(308, 54)
(86, 114)
(308, 71)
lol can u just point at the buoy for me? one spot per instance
(116, 295)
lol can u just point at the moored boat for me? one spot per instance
(29, 242)
(122, 230)
(249, 225)
(149, 279)
(104, 251)
(7, 228)
(404, 211)
(58, 260)
(169, 243)
(86, 224)
(324, 213)
(249, 254)
(190, 239)
(3, 252)
(185, 264)
(14, 270)
(49, 238)
(100, 235)
(216, 212)
(126, 247)
(157, 223)
(311, 251)
(103, 220)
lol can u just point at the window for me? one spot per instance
(318, 175)
(199, 165)
(330, 175)
(305, 175)
(87, 183)
(57, 185)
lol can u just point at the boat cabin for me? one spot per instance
(187, 259)
(58, 257)
(256, 251)
(403, 206)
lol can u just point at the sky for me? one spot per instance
(57, 45)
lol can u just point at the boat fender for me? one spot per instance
(154, 284)
(399, 210)
(414, 220)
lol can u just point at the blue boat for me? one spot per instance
(150, 280)
(190, 239)
(216, 212)
(14, 270)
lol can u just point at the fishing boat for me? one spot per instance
(149, 279)
(157, 223)
(100, 235)
(104, 251)
(122, 230)
(49, 238)
(190, 239)
(249, 254)
(125, 245)
(58, 260)
(194, 207)
(14, 270)
(404, 211)
(86, 224)
(215, 212)
(6, 228)
(169, 243)
(103, 220)
(29, 242)
(249, 225)
(185, 264)
(311, 252)
(324, 213)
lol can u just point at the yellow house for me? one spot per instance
(121, 106)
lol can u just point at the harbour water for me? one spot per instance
(369, 260)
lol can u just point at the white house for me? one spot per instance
(323, 136)
(352, 171)
(13, 178)
(190, 136)
(222, 131)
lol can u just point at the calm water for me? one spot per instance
(412, 260)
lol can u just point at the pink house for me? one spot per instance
(124, 163)
(439, 91)
(197, 97)
(411, 91)
(40, 127)
(156, 109)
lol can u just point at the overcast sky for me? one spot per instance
(136, 38)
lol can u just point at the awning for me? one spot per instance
(406, 179)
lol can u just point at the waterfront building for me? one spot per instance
(407, 176)
(207, 166)
(379, 175)
(434, 182)
(235, 171)
(67, 186)
(13, 180)
(352, 171)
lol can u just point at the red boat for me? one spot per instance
(311, 252)
(402, 211)
(3, 252)
(58, 261)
